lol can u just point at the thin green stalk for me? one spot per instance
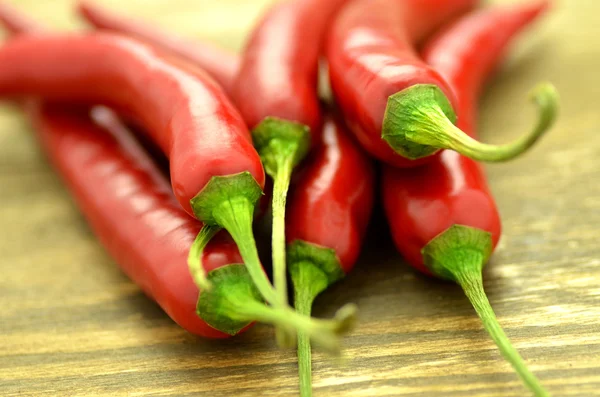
(472, 284)
(546, 99)
(280, 189)
(195, 256)
(303, 302)
(309, 281)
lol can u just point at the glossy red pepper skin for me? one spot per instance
(131, 209)
(424, 202)
(127, 201)
(372, 55)
(219, 64)
(279, 65)
(330, 203)
(184, 111)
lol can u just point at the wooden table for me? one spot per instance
(72, 324)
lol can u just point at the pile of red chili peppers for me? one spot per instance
(406, 76)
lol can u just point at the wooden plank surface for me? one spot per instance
(71, 324)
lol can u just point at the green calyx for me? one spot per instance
(407, 116)
(446, 255)
(229, 202)
(276, 140)
(459, 254)
(220, 190)
(223, 306)
(324, 261)
(419, 121)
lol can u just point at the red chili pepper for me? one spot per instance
(185, 113)
(331, 202)
(131, 209)
(219, 64)
(400, 109)
(198, 108)
(277, 94)
(329, 209)
(150, 242)
(442, 216)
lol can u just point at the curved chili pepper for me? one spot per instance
(442, 216)
(328, 213)
(130, 207)
(399, 108)
(196, 127)
(150, 242)
(185, 113)
(219, 64)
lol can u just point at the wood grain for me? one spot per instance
(71, 324)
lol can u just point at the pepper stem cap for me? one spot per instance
(419, 121)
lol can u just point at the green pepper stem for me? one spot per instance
(195, 256)
(309, 281)
(236, 215)
(459, 254)
(472, 285)
(281, 183)
(447, 136)
(304, 359)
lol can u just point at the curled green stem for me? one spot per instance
(195, 256)
(420, 121)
